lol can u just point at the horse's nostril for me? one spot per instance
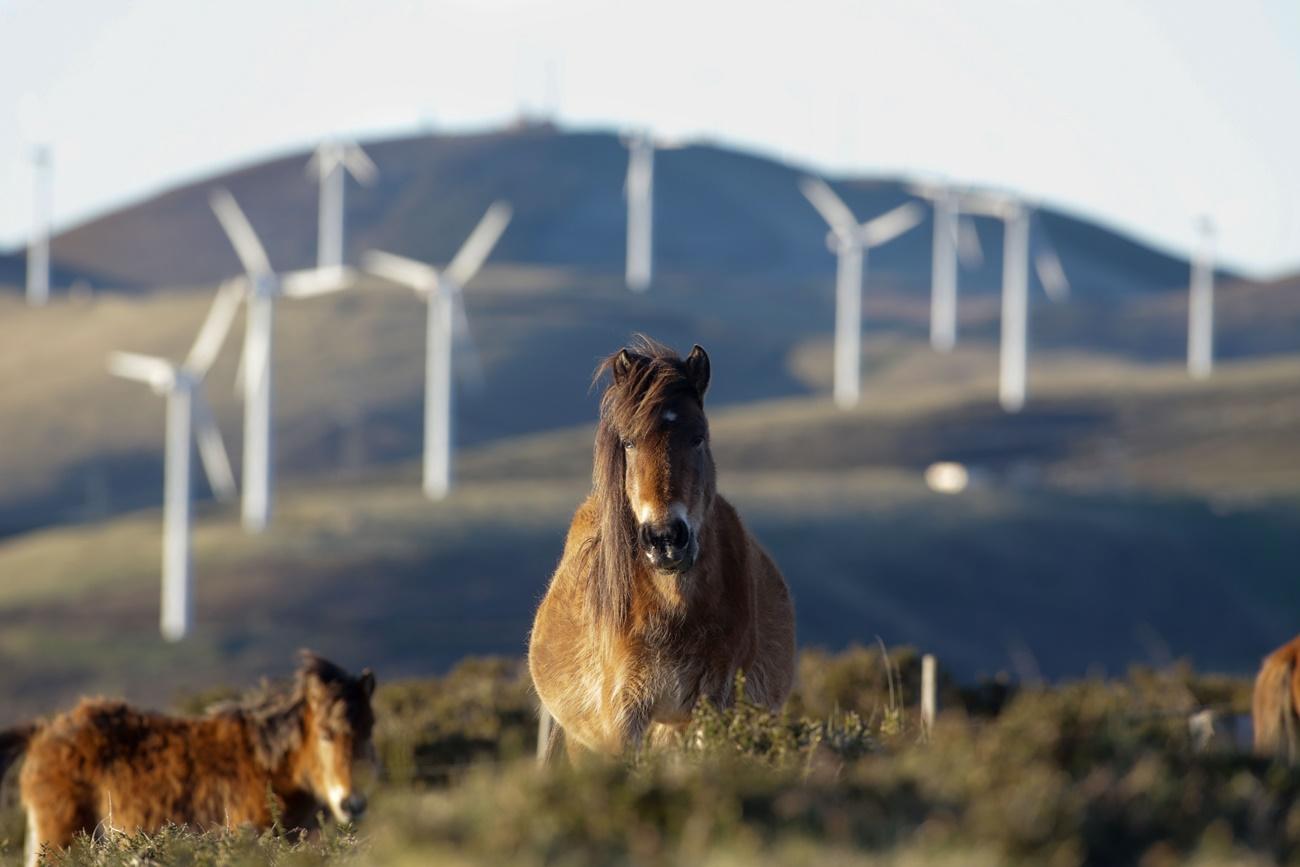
(355, 805)
(664, 537)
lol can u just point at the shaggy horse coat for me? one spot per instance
(1276, 708)
(661, 595)
(105, 765)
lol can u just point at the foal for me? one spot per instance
(661, 595)
(107, 765)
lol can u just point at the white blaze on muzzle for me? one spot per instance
(336, 794)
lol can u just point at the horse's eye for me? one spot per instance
(697, 441)
(628, 444)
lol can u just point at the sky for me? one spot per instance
(1142, 114)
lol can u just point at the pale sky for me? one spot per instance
(1142, 114)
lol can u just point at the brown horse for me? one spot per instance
(1276, 709)
(108, 766)
(661, 595)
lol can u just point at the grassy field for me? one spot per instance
(80, 445)
(1088, 772)
(1127, 514)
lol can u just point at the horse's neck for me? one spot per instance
(286, 739)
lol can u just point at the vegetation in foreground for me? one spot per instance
(1095, 772)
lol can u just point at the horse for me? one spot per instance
(661, 595)
(282, 754)
(1275, 710)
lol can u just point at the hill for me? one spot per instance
(717, 212)
(1128, 515)
(81, 445)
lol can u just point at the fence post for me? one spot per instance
(929, 698)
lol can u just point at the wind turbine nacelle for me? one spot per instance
(265, 286)
(838, 243)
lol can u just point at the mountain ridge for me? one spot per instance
(718, 209)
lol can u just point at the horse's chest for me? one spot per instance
(669, 688)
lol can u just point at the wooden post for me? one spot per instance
(544, 723)
(929, 698)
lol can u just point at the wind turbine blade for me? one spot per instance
(317, 281)
(891, 224)
(986, 204)
(479, 244)
(142, 368)
(925, 190)
(1052, 274)
(320, 159)
(239, 376)
(360, 164)
(470, 366)
(215, 328)
(242, 237)
(212, 448)
(832, 208)
(400, 269)
(969, 249)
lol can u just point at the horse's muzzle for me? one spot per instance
(670, 546)
(353, 806)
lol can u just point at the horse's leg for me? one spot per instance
(32, 850)
(50, 828)
(552, 736)
(662, 735)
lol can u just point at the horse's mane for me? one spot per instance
(272, 711)
(633, 401)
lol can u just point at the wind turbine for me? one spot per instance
(1017, 218)
(954, 241)
(442, 292)
(38, 247)
(850, 242)
(263, 287)
(1200, 307)
(187, 411)
(639, 192)
(332, 162)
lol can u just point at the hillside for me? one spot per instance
(81, 444)
(717, 212)
(1127, 516)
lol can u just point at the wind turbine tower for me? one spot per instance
(38, 246)
(188, 414)
(263, 287)
(332, 162)
(446, 325)
(1200, 308)
(850, 243)
(639, 190)
(943, 268)
(1017, 218)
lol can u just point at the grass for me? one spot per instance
(999, 579)
(1089, 772)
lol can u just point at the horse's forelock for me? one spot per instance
(640, 386)
(639, 391)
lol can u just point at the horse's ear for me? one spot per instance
(624, 363)
(367, 680)
(697, 368)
